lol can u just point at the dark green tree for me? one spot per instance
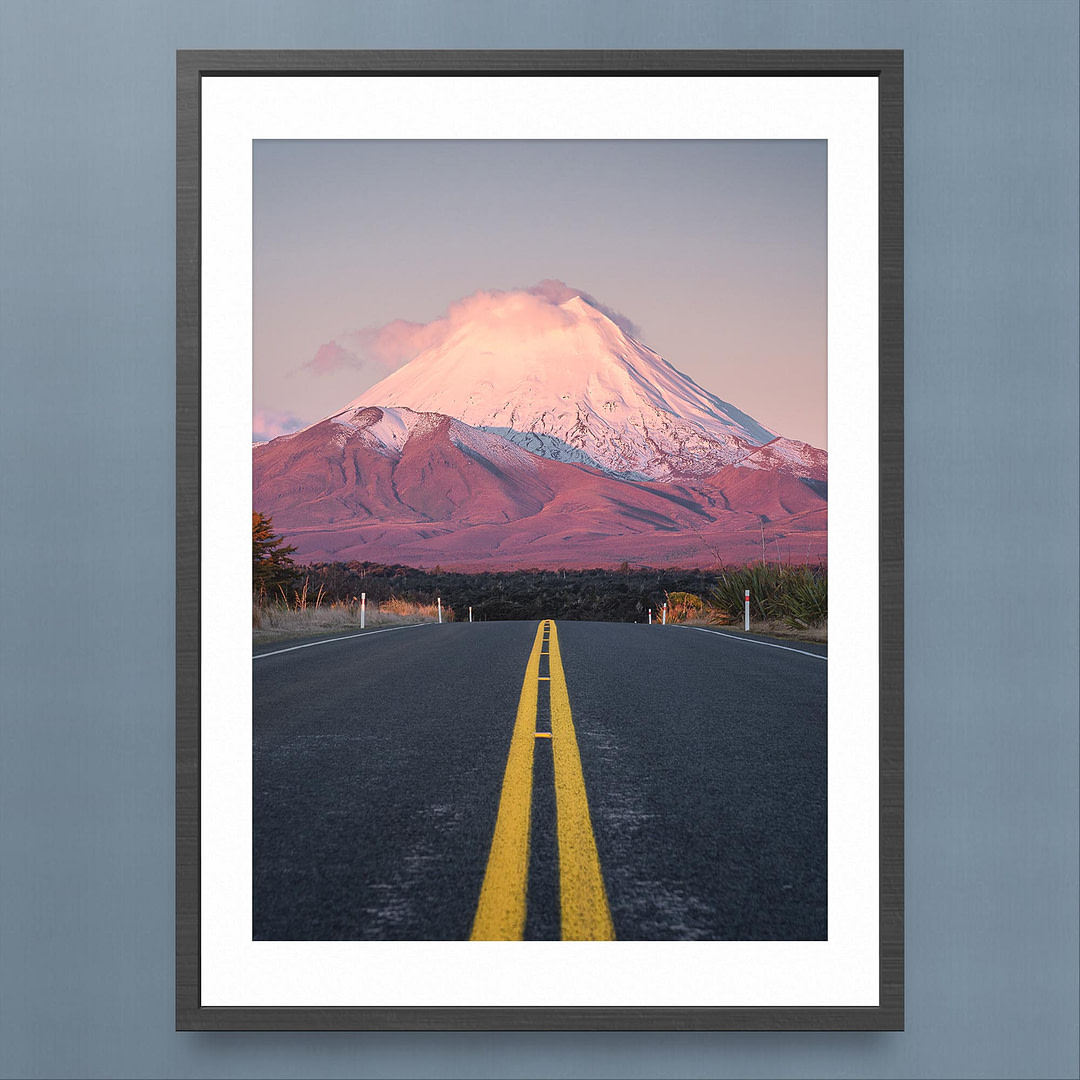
(271, 557)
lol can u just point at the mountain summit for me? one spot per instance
(551, 370)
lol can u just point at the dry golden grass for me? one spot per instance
(407, 609)
(273, 622)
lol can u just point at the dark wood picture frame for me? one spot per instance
(887, 67)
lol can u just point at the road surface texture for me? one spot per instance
(506, 780)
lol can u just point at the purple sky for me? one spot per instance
(715, 250)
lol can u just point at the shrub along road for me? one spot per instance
(540, 780)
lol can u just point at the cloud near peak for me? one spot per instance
(386, 348)
(558, 292)
(267, 424)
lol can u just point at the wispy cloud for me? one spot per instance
(266, 424)
(331, 357)
(386, 348)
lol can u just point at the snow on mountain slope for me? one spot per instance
(790, 456)
(566, 382)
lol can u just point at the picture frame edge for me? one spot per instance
(887, 65)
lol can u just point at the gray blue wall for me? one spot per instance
(86, 535)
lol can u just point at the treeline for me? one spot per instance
(623, 595)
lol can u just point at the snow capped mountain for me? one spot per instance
(566, 382)
(533, 429)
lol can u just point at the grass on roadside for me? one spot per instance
(785, 602)
(795, 596)
(272, 621)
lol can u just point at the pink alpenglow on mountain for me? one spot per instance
(532, 430)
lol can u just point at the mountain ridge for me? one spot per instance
(469, 499)
(540, 433)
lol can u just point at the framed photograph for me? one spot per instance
(565, 392)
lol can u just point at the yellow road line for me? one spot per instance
(585, 912)
(500, 914)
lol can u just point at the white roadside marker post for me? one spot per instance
(650, 616)
(746, 610)
(470, 614)
(363, 609)
(663, 615)
(440, 608)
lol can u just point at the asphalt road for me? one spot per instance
(401, 790)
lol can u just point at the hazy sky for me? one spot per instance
(716, 250)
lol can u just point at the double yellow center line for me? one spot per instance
(500, 914)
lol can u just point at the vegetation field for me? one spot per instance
(327, 595)
(786, 600)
